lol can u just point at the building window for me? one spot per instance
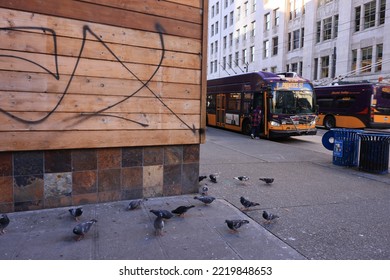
(252, 54)
(245, 33)
(274, 69)
(254, 6)
(369, 14)
(379, 55)
(354, 60)
(253, 28)
(236, 56)
(290, 8)
(244, 56)
(315, 74)
(366, 59)
(231, 19)
(325, 67)
(238, 13)
(296, 39)
(336, 26)
(215, 66)
(230, 39)
(266, 49)
(217, 8)
(246, 8)
(276, 17)
(212, 11)
(294, 67)
(302, 37)
(224, 63)
(300, 68)
(211, 67)
(226, 3)
(212, 48)
(212, 30)
(289, 42)
(358, 12)
(267, 21)
(237, 36)
(327, 29)
(382, 12)
(224, 42)
(318, 32)
(225, 22)
(216, 27)
(275, 42)
(230, 61)
(216, 46)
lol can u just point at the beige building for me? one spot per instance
(319, 39)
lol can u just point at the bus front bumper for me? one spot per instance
(288, 133)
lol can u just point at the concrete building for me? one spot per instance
(319, 39)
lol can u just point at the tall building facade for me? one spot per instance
(321, 40)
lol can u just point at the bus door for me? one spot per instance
(221, 107)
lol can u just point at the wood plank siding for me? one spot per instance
(102, 73)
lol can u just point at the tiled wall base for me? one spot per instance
(49, 179)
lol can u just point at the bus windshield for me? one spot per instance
(292, 102)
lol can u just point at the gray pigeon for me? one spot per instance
(83, 228)
(181, 210)
(235, 224)
(203, 190)
(246, 203)
(205, 199)
(158, 225)
(267, 180)
(269, 217)
(213, 178)
(165, 214)
(4, 222)
(134, 204)
(76, 212)
(241, 178)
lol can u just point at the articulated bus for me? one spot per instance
(358, 105)
(287, 104)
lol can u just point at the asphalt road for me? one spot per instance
(326, 211)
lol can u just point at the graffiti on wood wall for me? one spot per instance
(55, 74)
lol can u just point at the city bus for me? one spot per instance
(359, 105)
(287, 104)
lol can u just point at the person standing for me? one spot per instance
(256, 120)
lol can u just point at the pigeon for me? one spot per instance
(246, 203)
(165, 214)
(159, 225)
(241, 178)
(203, 190)
(181, 210)
(76, 212)
(269, 217)
(267, 180)
(134, 204)
(201, 178)
(213, 178)
(83, 228)
(4, 222)
(205, 199)
(235, 224)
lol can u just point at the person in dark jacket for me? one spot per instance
(256, 120)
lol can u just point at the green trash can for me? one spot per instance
(346, 147)
(374, 152)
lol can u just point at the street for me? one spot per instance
(326, 211)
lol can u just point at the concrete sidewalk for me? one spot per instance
(201, 234)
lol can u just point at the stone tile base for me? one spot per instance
(49, 179)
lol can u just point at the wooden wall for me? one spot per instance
(101, 73)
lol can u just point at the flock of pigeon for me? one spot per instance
(161, 214)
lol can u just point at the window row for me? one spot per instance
(370, 14)
(296, 8)
(295, 39)
(271, 22)
(241, 62)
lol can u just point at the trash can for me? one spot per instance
(374, 152)
(345, 145)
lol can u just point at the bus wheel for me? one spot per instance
(329, 122)
(246, 127)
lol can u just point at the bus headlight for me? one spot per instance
(274, 123)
